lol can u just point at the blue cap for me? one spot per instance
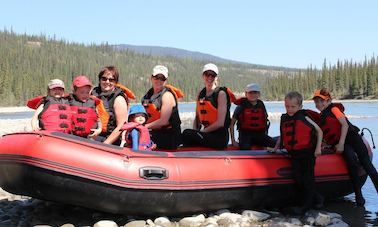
(135, 109)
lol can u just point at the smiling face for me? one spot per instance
(56, 92)
(158, 82)
(82, 93)
(252, 96)
(321, 104)
(210, 78)
(292, 106)
(139, 118)
(107, 82)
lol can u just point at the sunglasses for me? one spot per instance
(162, 78)
(210, 74)
(104, 79)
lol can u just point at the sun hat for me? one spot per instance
(81, 81)
(135, 109)
(55, 83)
(317, 93)
(211, 67)
(253, 87)
(160, 69)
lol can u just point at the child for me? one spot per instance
(135, 134)
(302, 138)
(344, 137)
(85, 120)
(53, 111)
(252, 120)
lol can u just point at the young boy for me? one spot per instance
(135, 134)
(53, 111)
(302, 138)
(344, 137)
(252, 120)
(85, 120)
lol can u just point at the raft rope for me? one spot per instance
(371, 135)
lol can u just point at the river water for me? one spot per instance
(362, 114)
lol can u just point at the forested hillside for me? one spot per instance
(346, 80)
(27, 63)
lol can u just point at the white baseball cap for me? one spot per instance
(160, 69)
(211, 67)
(253, 87)
(55, 83)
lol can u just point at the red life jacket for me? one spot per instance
(56, 115)
(252, 117)
(207, 106)
(153, 106)
(144, 135)
(84, 116)
(296, 132)
(330, 125)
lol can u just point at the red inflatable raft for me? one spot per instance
(72, 170)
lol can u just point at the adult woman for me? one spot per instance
(160, 103)
(212, 119)
(115, 102)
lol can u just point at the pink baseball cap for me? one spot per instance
(81, 81)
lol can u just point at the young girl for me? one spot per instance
(135, 134)
(344, 137)
(53, 111)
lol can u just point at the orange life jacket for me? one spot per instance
(207, 106)
(56, 115)
(144, 143)
(296, 132)
(252, 117)
(330, 125)
(153, 105)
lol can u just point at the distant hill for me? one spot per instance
(181, 53)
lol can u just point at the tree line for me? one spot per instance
(28, 62)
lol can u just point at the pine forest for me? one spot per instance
(28, 62)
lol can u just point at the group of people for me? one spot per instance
(104, 114)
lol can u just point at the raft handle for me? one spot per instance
(371, 135)
(153, 173)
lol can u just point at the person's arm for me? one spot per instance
(134, 139)
(35, 120)
(319, 133)
(278, 143)
(344, 129)
(232, 133)
(222, 111)
(196, 123)
(168, 102)
(234, 120)
(120, 111)
(98, 130)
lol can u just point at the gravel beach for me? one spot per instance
(23, 211)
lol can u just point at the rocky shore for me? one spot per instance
(23, 211)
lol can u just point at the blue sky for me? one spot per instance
(293, 33)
